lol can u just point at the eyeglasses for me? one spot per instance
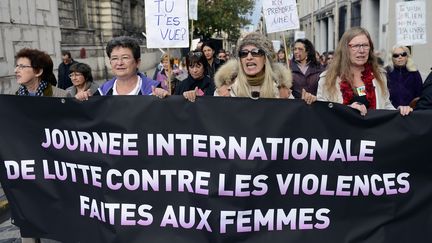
(403, 54)
(124, 59)
(255, 53)
(357, 47)
(21, 67)
(195, 53)
(75, 75)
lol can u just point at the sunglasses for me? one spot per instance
(403, 54)
(195, 53)
(254, 52)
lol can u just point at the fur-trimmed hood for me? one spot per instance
(227, 74)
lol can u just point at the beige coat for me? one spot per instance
(382, 102)
(227, 75)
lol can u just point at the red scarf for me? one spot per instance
(367, 77)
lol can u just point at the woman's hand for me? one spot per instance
(308, 97)
(161, 93)
(83, 95)
(360, 107)
(405, 110)
(284, 92)
(224, 90)
(191, 94)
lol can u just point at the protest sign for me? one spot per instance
(280, 15)
(193, 9)
(411, 23)
(167, 23)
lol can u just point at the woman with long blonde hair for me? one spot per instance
(254, 73)
(354, 78)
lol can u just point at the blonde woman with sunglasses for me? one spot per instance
(403, 79)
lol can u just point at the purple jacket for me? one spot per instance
(307, 81)
(146, 88)
(403, 85)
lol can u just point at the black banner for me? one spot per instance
(143, 169)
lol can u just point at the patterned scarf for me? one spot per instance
(22, 91)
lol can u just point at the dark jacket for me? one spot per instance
(403, 85)
(308, 81)
(212, 69)
(146, 87)
(425, 101)
(64, 81)
(206, 85)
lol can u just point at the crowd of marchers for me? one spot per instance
(352, 74)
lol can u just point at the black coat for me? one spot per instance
(425, 101)
(205, 84)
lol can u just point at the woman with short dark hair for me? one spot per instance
(198, 83)
(82, 79)
(34, 74)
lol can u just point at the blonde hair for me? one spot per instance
(341, 65)
(243, 88)
(410, 66)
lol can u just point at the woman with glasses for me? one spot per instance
(124, 55)
(354, 78)
(197, 83)
(403, 80)
(254, 74)
(34, 74)
(82, 79)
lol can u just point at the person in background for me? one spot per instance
(198, 83)
(82, 79)
(64, 81)
(213, 63)
(34, 74)
(280, 57)
(355, 79)
(166, 71)
(222, 55)
(124, 55)
(158, 68)
(403, 79)
(305, 68)
(228, 55)
(329, 58)
(255, 74)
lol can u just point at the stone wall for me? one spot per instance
(26, 23)
(82, 27)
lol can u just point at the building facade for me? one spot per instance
(324, 22)
(82, 27)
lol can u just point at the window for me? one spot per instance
(80, 9)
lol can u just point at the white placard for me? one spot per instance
(299, 35)
(411, 23)
(280, 15)
(276, 45)
(167, 23)
(193, 9)
(194, 44)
